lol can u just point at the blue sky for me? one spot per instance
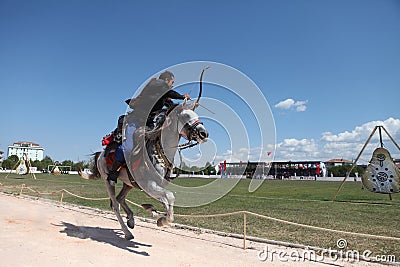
(67, 66)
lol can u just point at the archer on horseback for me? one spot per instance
(150, 146)
(146, 111)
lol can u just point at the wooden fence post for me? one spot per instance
(22, 187)
(244, 230)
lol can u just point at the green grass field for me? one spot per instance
(305, 202)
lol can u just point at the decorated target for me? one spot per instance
(22, 169)
(382, 175)
(56, 171)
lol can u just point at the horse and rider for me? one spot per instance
(145, 141)
(149, 109)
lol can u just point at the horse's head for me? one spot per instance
(190, 127)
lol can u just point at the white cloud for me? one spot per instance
(347, 144)
(289, 103)
(247, 154)
(285, 104)
(294, 149)
(301, 108)
(361, 133)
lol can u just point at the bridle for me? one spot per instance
(192, 134)
(165, 161)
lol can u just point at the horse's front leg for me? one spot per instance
(170, 207)
(115, 207)
(121, 200)
(168, 200)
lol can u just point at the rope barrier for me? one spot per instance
(133, 203)
(323, 229)
(86, 198)
(244, 213)
(210, 215)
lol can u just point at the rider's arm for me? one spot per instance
(174, 95)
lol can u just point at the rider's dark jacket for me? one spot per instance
(151, 100)
(154, 96)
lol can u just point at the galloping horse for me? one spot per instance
(151, 163)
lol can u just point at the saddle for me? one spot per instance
(110, 161)
(149, 133)
(381, 174)
(110, 158)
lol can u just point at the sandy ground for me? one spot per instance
(42, 233)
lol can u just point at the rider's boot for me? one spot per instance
(114, 172)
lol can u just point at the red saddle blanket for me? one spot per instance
(110, 161)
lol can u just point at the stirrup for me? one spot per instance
(111, 182)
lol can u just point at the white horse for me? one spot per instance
(151, 164)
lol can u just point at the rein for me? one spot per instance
(180, 148)
(167, 164)
(165, 161)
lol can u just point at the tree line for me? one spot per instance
(207, 169)
(12, 161)
(341, 171)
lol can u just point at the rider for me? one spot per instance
(155, 95)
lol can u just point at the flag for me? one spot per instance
(269, 153)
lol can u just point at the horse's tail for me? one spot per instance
(94, 172)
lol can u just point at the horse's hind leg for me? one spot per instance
(121, 200)
(167, 198)
(115, 207)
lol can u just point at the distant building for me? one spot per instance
(337, 162)
(1, 156)
(278, 169)
(33, 150)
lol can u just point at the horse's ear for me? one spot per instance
(184, 102)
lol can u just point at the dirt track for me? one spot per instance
(40, 233)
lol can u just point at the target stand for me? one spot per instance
(24, 166)
(382, 175)
(57, 169)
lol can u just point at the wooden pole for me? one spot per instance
(244, 230)
(394, 142)
(22, 187)
(13, 168)
(354, 163)
(29, 163)
(391, 138)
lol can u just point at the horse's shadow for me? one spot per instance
(103, 235)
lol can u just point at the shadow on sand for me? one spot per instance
(103, 235)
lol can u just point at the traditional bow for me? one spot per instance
(201, 87)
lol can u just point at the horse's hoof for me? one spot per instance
(162, 221)
(148, 207)
(129, 237)
(131, 223)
